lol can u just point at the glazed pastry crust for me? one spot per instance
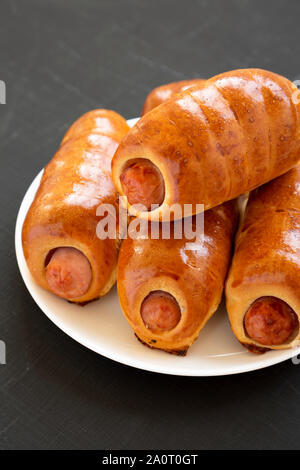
(75, 182)
(165, 92)
(266, 260)
(194, 278)
(216, 141)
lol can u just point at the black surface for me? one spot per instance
(60, 59)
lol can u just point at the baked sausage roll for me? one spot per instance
(262, 290)
(169, 288)
(165, 92)
(209, 144)
(61, 247)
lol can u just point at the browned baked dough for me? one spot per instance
(216, 141)
(262, 289)
(63, 214)
(190, 272)
(165, 92)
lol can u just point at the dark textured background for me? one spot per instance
(60, 59)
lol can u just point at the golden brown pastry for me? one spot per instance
(262, 290)
(210, 143)
(165, 92)
(61, 247)
(169, 288)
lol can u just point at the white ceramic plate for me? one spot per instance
(101, 327)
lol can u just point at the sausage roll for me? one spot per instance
(209, 144)
(165, 92)
(262, 290)
(61, 247)
(169, 288)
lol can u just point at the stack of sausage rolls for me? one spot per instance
(200, 145)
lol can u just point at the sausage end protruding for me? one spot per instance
(270, 321)
(160, 311)
(68, 273)
(142, 183)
